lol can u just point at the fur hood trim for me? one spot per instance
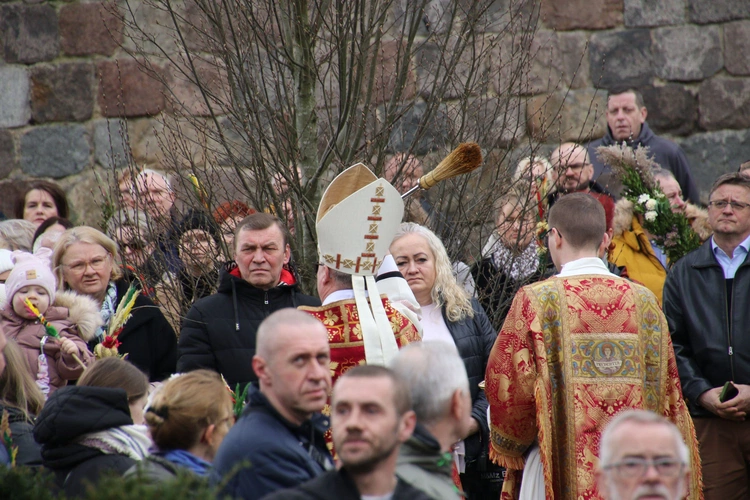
(697, 216)
(82, 311)
(623, 219)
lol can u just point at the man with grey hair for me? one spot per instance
(436, 377)
(642, 455)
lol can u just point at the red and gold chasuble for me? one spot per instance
(345, 334)
(572, 353)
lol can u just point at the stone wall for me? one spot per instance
(71, 98)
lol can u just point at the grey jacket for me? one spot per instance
(423, 466)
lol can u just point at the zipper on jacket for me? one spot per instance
(265, 298)
(730, 351)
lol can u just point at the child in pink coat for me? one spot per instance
(50, 360)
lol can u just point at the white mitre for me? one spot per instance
(358, 217)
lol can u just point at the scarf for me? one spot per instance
(515, 266)
(129, 440)
(107, 311)
(187, 460)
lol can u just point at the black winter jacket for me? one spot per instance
(663, 151)
(474, 338)
(695, 304)
(22, 437)
(339, 485)
(147, 337)
(280, 454)
(69, 413)
(219, 330)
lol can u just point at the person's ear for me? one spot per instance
(406, 427)
(458, 406)
(208, 435)
(287, 253)
(260, 367)
(644, 114)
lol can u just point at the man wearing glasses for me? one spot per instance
(706, 298)
(574, 351)
(642, 455)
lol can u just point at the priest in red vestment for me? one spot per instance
(574, 351)
(358, 216)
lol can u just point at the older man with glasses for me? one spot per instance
(642, 455)
(706, 297)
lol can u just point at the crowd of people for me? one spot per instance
(570, 359)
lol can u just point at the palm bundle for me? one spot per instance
(199, 191)
(672, 231)
(7, 436)
(238, 395)
(462, 160)
(48, 328)
(108, 346)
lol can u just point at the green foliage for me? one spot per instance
(24, 483)
(672, 231)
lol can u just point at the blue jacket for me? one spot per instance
(264, 452)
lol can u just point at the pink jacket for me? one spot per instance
(74, 316)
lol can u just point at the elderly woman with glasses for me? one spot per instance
(85, 261)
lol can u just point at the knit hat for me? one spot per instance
(31, 269)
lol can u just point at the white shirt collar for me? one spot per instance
(586, 265)
(339, 295)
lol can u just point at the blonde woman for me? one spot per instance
(85, 260)
(188, 419)
(450, 315)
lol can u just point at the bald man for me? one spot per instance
(280, 434)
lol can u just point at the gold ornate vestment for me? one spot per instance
(572, 353)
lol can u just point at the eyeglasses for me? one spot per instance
(637, 467)
(97, 264)
(722, 204)
(544, 237)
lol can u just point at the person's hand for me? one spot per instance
(67, 346)
(728, 409)
(738, 405)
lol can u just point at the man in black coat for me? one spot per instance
(219, 330)
(626, 122)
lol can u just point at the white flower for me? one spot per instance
(650, 216)
(643, 198)
(651, 204)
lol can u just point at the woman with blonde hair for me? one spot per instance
(450, 315)
(188, 419)
(85, 261)
(22, 400)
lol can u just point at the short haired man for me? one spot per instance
(436, 377)
(576, 175)
(279, 436)
(371, 417)
(218, 332)
(626, 122)
(635, 249)
(706, 297)
(574, 350)
(358, 216)
(642, 455)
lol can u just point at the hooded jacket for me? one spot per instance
(75, 317)
(218, 332)
(663, 151)
(70, 413)
(422, 465)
